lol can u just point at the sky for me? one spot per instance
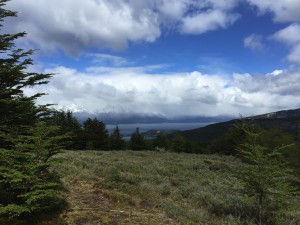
(169, 58)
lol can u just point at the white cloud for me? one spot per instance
(174, 9)
(290, 36)
(209, 15)
(283, 10)
(73, 25)
(222, 4)
(108, 59)
(134, 90)
(207, 21)
(275, 73)
(282, 83)
(294, 56)
(106, 70)
(254, 42)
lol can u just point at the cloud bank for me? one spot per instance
(135, 91)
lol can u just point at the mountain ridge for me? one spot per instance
(286, 120)
(290, 113)
(127, 118)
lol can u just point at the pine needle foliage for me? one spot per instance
(265, 176)
(28, 187)
(116, 140)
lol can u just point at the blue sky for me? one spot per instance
(168, 58)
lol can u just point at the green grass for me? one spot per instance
(130, 188)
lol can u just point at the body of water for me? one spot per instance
(128, 129)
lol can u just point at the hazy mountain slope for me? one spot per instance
(288, 121)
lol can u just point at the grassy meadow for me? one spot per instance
(146, 187)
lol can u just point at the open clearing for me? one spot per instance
(137, 188)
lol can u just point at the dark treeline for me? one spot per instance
(93, 135)
(270, 139)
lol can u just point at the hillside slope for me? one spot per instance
(288, 121)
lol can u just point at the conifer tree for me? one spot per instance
(137, 141)
(96, 135)
(179, 144)
(68, 126)
(160, 141)
(265, 176)
(116, 140)
(16, 109)
(27, 186)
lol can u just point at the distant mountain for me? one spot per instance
(118, 118)
(285, 114)
(115, 118)
(287, 120)
(150, 134)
